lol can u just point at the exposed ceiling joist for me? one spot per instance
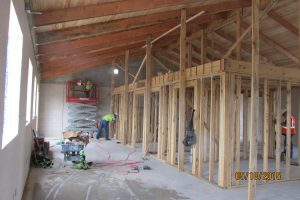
(124, 9)
(266, 39)
(284, 22)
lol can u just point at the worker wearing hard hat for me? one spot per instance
(104, 125)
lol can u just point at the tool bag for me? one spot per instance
(190, 137)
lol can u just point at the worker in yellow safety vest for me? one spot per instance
(87, 86)
(104, 124)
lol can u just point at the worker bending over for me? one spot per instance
(104, 124)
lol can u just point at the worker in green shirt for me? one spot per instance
(104, 124)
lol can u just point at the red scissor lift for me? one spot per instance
(77, 94)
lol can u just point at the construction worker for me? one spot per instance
(104, 124)
(284, 132)
(87, 86)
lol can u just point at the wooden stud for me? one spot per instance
(112, 86)
(134, 120)
(164, 122)
(206, 126)
(238, 34)
(271, 125)
(224, 139)
(212, 130)
(139, 70)
(266, 126)
(203, 47)
(237, 125)
(232, 134)
(201, 133)
(147, 99)
(170, 110)
(125, 103)
(160, 130)
(245, 124)
(182, 91)
(156, 113)
(278, 127)
(288, 132)
(254, 99)
(174, 126)
(189, 55)
(195, 148)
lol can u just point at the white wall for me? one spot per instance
(15, 156)
(53, 110)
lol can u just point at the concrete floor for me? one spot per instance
(109, 179)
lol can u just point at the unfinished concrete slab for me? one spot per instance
(111, 177)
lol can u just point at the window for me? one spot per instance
(29, 93)
(34, 97)
(12, 78)
(37, 99)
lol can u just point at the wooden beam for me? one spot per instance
(278, 128)
(134, 120)
(275, 45)
(286, 24)
(97, 29)
(238, 34)
(122, 10)
(195, 148)
(139, 70)
(170, 111)
(238, 41)
(76, 68)
(147, 99)
(113, 38)
(212, 129)
(112, 86)
(245, 124)
(237, 125)
(201, 128)
(266, 126)
(254, 99)
(161, 64)
(288, 132)
(203, 47)
(189, 55)
(164, 122)
(265, 11)
(160, 129)
(174, 125)
(176, 27)
(182, 91)
(224, 137)
(244, 47)
(123, 69)
(125, 103)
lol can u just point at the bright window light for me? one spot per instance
(12, 78)
(116, 71)
(34, 98)
(29, 93)
(37, 99)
